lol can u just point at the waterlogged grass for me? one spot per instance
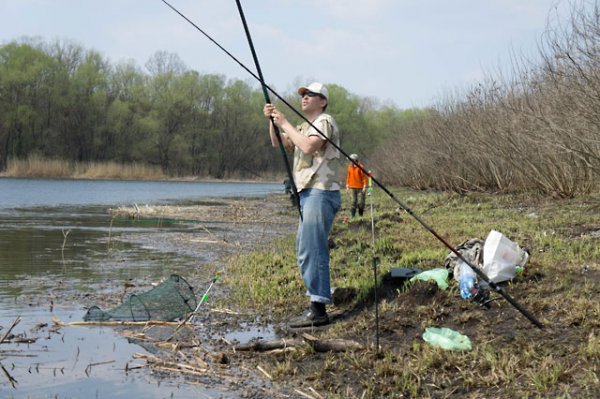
(510, 357)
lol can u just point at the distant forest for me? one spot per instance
(61, 101)
(533, 129)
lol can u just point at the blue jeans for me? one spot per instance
(318, 209)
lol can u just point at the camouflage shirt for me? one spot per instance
(321, 169)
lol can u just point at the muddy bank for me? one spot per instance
(276, 363)
(210, 231)
(216, 228)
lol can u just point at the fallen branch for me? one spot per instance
(14, 323)
(267, 345)
(6, 354)
(12, 381)
(21, 340)
(58, 322)
(157, 363)
(283, 350)
(88, 369)
(304, 394)
(332, 345)
(225, 311)
(319, 345)
(172, 346)
(264, 372)
(315, 392)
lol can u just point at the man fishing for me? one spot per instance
(316, 172)
(356, 184)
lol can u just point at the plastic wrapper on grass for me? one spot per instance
(447, 338)
(440, 276)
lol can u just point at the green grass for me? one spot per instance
(510, 357)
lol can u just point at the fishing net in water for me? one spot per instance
(169, 300)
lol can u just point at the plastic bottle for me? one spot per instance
(467, 281)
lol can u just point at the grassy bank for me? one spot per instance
(37, 167)
(510, 357)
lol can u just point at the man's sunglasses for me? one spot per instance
(310, 94)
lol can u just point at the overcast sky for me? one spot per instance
(409, 52)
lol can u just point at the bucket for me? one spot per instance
(502, 257)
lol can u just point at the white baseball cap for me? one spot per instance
(314, 87)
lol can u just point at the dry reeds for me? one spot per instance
(115, 170)
(35, 166)
(534, 132)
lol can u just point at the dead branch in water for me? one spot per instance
(60, 323)
(160, 364)
(88, 369)
(162, 344)
(12, 381)
(14, 323)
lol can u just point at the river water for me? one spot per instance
(57, 235)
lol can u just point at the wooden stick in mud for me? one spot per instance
(264, 372)
(315, 393)
(158, 363)
(267, 345)
(14, 323)
(319, 345)
(58, 322)
(332, 345)
(303, 394)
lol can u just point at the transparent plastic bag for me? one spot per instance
(447, 338)
(440, 276)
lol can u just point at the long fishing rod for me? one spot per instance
(498, 289)
(375, 259)
(268, 101)
(264, 88)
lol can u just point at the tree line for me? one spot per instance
(536, 129)
(61, 101)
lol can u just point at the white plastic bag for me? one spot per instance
(502, 257)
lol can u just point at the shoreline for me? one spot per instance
(190, 179)
(35, 167)
(273, 292)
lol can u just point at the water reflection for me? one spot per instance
(26, 193)
(81, 246)
(57, 237)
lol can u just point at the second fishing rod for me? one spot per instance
(495, 287)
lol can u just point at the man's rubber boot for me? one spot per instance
(315, 316)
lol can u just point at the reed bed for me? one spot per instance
(38, 167)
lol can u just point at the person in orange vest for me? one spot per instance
(356, 184)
